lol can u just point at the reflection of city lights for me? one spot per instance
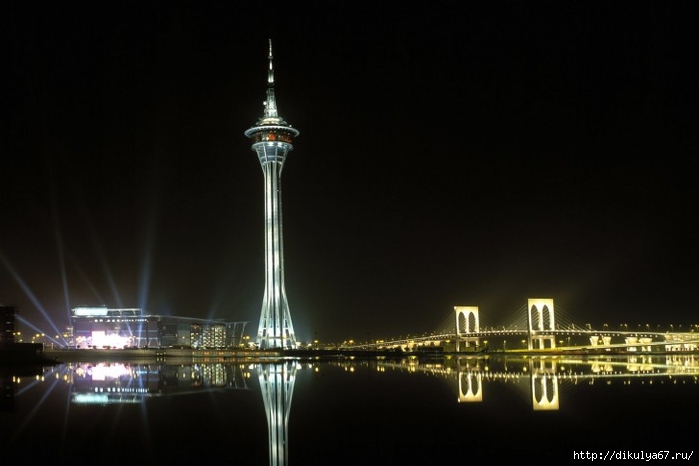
(103, 371)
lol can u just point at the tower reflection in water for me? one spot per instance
(109, 383)
(277, 386)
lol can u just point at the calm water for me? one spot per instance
(402, 411)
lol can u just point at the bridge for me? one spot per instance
(537, 327)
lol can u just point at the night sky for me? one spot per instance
(450, 153)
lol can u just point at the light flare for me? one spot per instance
(28, 292)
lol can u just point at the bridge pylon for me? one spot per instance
(467, 326)
(541, 322)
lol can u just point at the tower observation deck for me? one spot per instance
(271, 137)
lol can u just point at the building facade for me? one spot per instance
(7, 325)
(100, 327)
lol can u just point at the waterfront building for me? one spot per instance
(99, 327)
(272, 137)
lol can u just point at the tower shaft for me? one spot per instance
(275, 329)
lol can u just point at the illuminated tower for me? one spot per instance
(272, 138)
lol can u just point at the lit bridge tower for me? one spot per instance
(272, 138)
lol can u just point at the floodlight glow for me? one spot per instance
(90, 311)
(27, 291)
(101, 339)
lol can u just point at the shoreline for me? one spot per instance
(177, 355)
(188, 355)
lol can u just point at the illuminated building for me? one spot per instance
(99, 327)
(272, 138)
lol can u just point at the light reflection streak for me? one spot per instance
(66, 417)
(27, 388)
(34, 410)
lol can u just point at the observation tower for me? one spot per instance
(272, 138)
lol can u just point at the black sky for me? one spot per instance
(451, 153)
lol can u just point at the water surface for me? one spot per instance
(391, 411)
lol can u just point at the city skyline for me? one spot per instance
(465, 155)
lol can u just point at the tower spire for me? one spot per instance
(270, 73)
(271, 102)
